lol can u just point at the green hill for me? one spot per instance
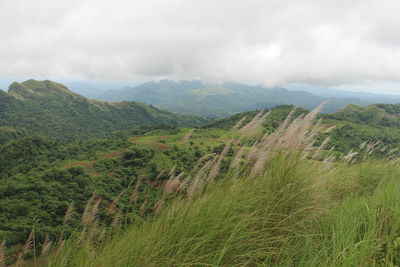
(386, 115)
(50, 109)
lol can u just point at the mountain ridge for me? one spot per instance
(219, 99)
(46, 107)
(386, 115)
(366, 97)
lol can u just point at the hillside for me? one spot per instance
(128, 173)
(50, 109)
(40, 178)
(347, 132)
(281, 201)
(219, 100)
(385, 115)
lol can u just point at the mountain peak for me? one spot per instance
(32, 87)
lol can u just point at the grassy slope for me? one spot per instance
(356, 124)
(343, 218)
(350, 131)
(296, 212)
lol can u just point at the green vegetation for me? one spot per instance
(221, 194)
(51, 110)
(356, 124)
(276, 205)
(40, 177)
(384, 115)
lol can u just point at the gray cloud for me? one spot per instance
(272, 42)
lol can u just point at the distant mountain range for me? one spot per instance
(364, 97)
(91, 89)
(51, 110)
(220, 100)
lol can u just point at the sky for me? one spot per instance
(346, 44)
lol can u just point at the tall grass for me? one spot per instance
(286, 217)
(234, 222)
(280, 207)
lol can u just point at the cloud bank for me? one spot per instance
(272, 42)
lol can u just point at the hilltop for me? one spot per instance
(52, 110)
(385, 115)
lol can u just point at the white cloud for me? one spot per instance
(323, 42)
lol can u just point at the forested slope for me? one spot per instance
(51, 110)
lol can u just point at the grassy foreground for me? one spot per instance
(293, 215)
(277, 205)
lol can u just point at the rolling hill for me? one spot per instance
(51, 110)
(386, 115)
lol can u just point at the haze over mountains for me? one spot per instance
(224, 99)
(365, 97)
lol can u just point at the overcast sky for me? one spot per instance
(339, 43)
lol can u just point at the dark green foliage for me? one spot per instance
(7, 133)
(43, 197)
(40, 178)
(23, 154)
